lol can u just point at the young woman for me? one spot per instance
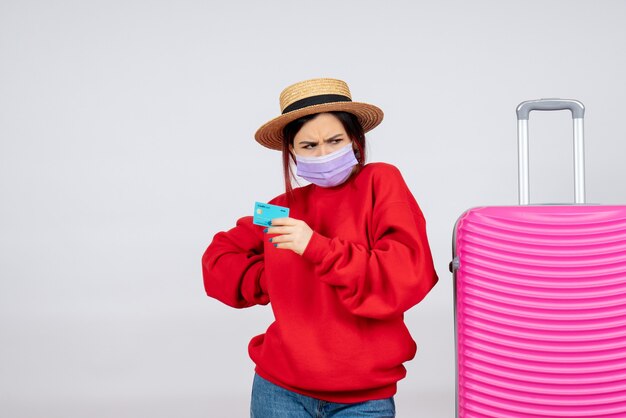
(339, 272)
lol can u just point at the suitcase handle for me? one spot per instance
(578, 114)
(576, 107)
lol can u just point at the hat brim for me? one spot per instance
(270, 135)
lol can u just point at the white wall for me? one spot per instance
(126, 144)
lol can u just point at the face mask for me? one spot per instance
(329, 170)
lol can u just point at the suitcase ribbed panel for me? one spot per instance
(541, 312)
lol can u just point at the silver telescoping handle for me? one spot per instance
(578, 114)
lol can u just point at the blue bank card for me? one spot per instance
(264, 213)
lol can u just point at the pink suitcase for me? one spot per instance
(540, 301)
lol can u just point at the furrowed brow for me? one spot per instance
(333, 137)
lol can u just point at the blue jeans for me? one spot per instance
(271, 401)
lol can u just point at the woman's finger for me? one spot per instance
(283, 221)
(278, 230)
(280, 239)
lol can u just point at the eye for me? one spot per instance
(336, 141)
(308, 146)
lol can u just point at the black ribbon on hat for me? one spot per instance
(316, 100)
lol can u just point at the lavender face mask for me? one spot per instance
(329, 170)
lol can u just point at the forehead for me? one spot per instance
(323, 126)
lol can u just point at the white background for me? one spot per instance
(126, 132)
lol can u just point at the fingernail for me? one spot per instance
(275, 245)
(265, 230)
(270, 240)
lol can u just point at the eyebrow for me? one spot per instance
(307, 142)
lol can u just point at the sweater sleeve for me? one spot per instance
(385, 279)
(233, 266)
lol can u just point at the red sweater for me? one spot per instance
(339, 333)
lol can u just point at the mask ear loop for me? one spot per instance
(357, 152)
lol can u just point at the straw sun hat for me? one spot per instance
(315, 96)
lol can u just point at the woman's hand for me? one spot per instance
(291, 234)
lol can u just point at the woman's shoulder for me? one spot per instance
(387, 183)
(280, 200)
(298, 193)
(381, 170)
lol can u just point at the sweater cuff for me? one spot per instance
(317, 248)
